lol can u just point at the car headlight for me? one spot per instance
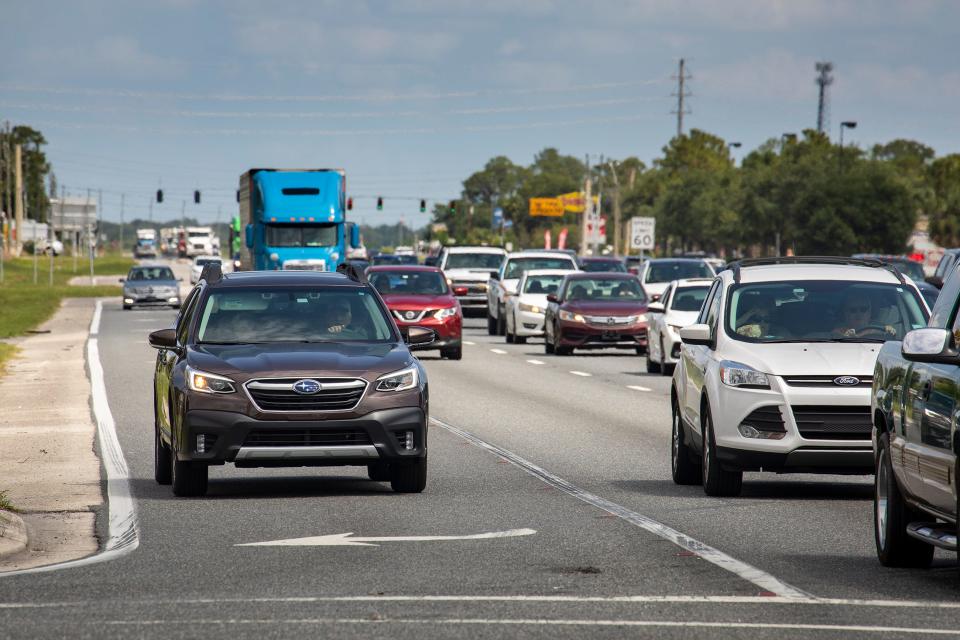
(204, 382)
(735, 374)
(532, 308)
(640, 318)
(398, 380)
(571, 317)
(443, 314)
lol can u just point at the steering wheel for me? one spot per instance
(873, 328)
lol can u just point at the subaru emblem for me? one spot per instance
(306, 387)
(846, 381)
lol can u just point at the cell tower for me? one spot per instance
(824, 79)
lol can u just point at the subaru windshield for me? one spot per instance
(823, 311)
(321, 314)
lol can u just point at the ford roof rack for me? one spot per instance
(838, 260)
(212, 272)
(352, 272)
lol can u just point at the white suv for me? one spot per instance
(503, 283)
(775, 374)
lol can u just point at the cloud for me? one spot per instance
(108, 56)
(777, 75)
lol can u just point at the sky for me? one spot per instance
(412, 96)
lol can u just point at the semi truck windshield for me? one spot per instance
(301, 235)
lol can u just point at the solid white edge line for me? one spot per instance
(123, 530)
(748, 572)
(540, 622)
(648, 599)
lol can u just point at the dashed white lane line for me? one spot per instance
(498, 351)
(636, 387)
(744, 570)
(582, 374)
(535, 361)
(467, 342)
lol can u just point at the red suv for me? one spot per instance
(596, 311)
(419, 296)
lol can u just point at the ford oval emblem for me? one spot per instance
(846, 381)
(306, 387)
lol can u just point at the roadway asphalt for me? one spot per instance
(596, 428)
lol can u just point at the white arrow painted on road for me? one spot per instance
(344, 539)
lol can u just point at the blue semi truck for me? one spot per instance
(295, 219)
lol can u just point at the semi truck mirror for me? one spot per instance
(249, 236)
(354, 236)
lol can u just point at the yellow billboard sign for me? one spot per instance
(552, 207)
(576, 201)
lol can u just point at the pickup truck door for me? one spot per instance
(937, 460)
(695, 358)
(905, 449)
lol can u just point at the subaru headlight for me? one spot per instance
(735, 374)
(204, 382)
(571, 317)
(443, 314)
(398, 380)
(532, 308)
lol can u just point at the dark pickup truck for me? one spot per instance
(916, 441)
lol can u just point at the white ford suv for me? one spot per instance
(775, 374)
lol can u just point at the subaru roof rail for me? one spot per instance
(838, 260)
(212, 272)
(352, 272)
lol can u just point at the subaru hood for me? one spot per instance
(282, 360)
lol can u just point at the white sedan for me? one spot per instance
(524, 311)
(677, 308)
(199, 263)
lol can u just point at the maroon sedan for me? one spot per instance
(419, 295)
(596, 311)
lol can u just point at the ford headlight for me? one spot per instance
(398, 380)
(204, 382)
(532, 308)
(443, 314)
(735, 374)
(571, 317)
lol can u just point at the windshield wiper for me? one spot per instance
(225, 342)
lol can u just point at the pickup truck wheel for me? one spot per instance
(716, 480)
(685, 468)
(491, 325)
(379, 471)
(891, 517)
(410, 477)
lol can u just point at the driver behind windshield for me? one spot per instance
(855, 319)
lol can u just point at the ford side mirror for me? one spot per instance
(696, 334)
(249, 236)
(655, 307)
(932, 345)
(495, 275)
(420, 336)
(354, 236)
(552, 297)
(164, 339)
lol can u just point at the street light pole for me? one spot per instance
(846, 124)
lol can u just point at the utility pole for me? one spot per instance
(7, 184)
(824, 79)
(18, 195)
(123, 198)
(599, 210)
(587, 209)
(616, 209)
(681, 93)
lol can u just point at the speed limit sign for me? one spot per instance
(642, 233)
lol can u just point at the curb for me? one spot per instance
(13, 534)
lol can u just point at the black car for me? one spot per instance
(286, 368)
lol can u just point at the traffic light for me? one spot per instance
(349, 204)
(379, 203)
(423, 206)
(453, 207)
(159, 195)
(196, 197)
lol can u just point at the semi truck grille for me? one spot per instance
(833, 422)
(306, 438)
(335, 394)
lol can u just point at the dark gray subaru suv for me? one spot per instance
(286, 368)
